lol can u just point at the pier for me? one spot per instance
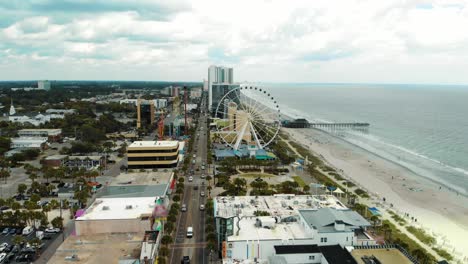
(303, 123)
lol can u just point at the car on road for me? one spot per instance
(202, 194)
(202, 207)
(202, 176)
(52, 230)
(189, 232)
(190, 178)
(184, 208)
(185, 260)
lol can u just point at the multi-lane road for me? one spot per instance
(194, 247)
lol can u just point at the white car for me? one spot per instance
(202, 207)
(184, 208)
(52, 230)
(3, 246)
(202, 194)
(2, 257)
(190, 178)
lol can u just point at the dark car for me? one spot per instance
(12, 231)
(185, 260)
(9, 248)
(19, 231)
(24, 258)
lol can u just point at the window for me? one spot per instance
(311, 257)
(323, 239)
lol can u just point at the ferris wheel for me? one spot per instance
(248, 115)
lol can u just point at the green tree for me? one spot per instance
(166, 240)
(5, 143)
(22, 188)
(164, 251)
(57, 222)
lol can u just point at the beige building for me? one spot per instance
(153, 154)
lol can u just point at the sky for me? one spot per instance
(350, 41)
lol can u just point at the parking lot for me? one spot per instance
(15, 254)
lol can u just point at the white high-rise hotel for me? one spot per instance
(219, 75)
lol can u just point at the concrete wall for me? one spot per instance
(89, 227)
(252, 249)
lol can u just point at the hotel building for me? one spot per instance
(153, 154)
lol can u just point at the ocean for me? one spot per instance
(421, 127)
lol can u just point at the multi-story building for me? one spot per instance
(145, 113)
(45, 85)
(287, 220)
(218, 74)
(153, 154)
(218, 90)
(52, 135)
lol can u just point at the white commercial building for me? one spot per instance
(286, 220)
(158, 103)
(61, 111)
(51, 134)
(28, 142)
(218, 74)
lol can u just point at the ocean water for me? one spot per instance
(421, 127)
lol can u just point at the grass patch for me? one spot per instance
(397, 218)
(407, 243)
(421, 235)
(299, 181)
(361, 193)
(256, 175)
(443, 253)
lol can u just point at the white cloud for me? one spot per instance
(298, 40)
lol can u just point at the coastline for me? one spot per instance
(442, 213)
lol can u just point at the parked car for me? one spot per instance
(6, 231)
(3, 246)
(183, 208)
(190, 178)
(28, 230)
(52, 230)
(202, 194)
(202, 207)
(2, 257)
(12, 231)
(202, 176)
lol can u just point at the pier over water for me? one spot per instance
(303, 123)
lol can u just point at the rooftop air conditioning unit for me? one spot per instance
(128, 207)
(105, 208)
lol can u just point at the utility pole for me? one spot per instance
(185, 106)
(63, 227)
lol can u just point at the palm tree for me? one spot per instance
(208, 178)
(166, 240)
(375, 219)
(164, 251)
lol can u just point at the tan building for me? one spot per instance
(153, 154)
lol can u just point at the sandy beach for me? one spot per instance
(441, 212)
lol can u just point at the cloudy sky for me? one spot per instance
(269, 41)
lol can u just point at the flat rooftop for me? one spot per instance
(276, 205)
(384, 255)
(147, 144)
(284, 206)
(90, 249)
(119, 208)
(280, 231)
(162, 176)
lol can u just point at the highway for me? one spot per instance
(193, 247)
